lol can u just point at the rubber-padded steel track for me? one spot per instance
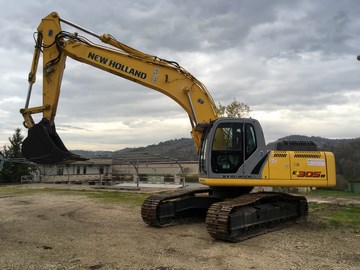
(253, 214)
(233, 220)
(158, 210)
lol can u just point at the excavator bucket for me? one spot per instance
(44, 146)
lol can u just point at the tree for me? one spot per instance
(12, 171)
(234, 109)
(347, 156)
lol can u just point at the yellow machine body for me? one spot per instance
(288, 169)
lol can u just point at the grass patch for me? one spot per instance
(337, 216)
(132, 199)
(347, 215)
(333, 193)
(315, 207)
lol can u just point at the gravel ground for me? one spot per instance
(44, 231)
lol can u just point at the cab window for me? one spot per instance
(250, 139)
(227, 148)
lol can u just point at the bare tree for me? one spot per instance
(234, 109)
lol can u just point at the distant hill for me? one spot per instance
(183, 149)
(346, 151)
(88, 154)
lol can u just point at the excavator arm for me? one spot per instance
(56, 45)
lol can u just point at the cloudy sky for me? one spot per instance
(293, 62)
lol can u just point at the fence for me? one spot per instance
(31, 179)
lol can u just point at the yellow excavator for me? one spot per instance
(233, 157)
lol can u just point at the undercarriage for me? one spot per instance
(229, 219)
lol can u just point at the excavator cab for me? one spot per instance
(232, 148)
(44, 146)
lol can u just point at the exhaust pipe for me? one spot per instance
(44, 146)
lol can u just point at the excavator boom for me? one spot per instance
(43, 145)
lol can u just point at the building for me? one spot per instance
(92, 171)
(108, 171)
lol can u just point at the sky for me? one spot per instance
(293, 62)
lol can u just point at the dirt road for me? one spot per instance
(44, 231)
